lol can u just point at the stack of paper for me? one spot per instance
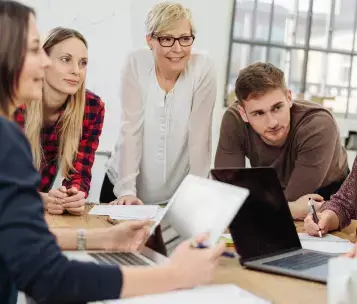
(213, 294)
(328, 243)
(126, 212)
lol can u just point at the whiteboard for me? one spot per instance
(106, 27)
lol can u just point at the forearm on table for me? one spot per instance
(67, 239)
(149, 280)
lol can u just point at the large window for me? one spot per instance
(312, 41)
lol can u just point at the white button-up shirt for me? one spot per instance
(164, 136)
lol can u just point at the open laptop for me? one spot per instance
(146, 256)
(194, 208)
(263, 230)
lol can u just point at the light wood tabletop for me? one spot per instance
(275, 288)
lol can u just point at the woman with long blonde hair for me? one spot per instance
(64, 128)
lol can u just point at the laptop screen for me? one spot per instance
(263, 226)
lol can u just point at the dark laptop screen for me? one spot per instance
(263, 225)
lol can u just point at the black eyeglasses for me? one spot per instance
(169, 41)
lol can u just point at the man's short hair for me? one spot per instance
(257, 79)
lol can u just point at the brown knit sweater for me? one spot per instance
(312, 156)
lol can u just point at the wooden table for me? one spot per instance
(72, 221)
(276, 288)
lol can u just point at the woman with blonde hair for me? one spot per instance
(168, 94)
(64, 128)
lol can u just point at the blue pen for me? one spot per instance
(225, 253)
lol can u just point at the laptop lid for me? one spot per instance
(263, 226)
(203, 205)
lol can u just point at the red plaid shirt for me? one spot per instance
(88, 144)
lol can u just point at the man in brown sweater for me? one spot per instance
(300, 139)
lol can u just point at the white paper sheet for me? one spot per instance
(213, 294)
(328, 243)
(119, 212)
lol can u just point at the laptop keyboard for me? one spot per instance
(119, 258)
(301, 261)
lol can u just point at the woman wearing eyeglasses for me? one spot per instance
(167, 94)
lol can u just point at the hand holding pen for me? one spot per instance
(323, 222)
(314, 215)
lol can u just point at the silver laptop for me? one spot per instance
(194, 208)
(146, 256)
(263, 231)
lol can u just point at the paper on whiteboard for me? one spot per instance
(329, 243)
(213, 294)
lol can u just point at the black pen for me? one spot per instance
(225, 253)
(314, 215)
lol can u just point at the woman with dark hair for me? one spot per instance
(30, 259)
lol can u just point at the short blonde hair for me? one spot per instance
(162, 16)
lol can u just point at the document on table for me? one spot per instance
(124, 212)
(212, 294)
(328, 243)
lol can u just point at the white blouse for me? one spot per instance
(164, 136)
